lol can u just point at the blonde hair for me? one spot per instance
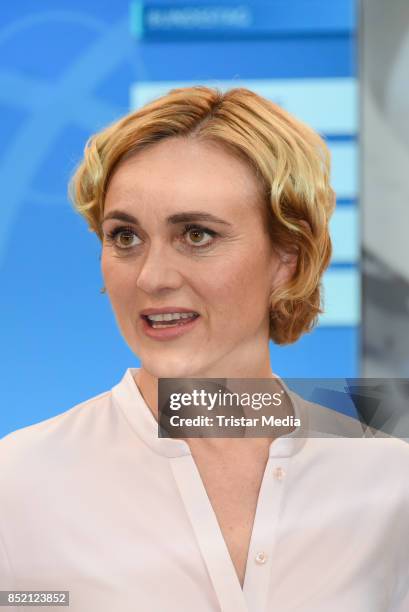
(289, 158)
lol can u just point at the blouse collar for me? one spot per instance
(128, 398)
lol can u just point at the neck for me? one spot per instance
(148, 386)
(148, 383)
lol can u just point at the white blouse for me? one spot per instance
(94, 503)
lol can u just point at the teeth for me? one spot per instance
(173, 316)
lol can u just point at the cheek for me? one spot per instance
(239, 283)
(117, 271)
(119, 281)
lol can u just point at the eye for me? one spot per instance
(123, 237)
(198, 236)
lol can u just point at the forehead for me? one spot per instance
(178, 171)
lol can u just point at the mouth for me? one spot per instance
(169, 325)
(165, 320)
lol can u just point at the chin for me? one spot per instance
(168, 367)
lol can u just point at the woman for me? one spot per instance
(213, 213)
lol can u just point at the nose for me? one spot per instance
(159, 270)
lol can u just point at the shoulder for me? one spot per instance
(47, 441)
(354, 446)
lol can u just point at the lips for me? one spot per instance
(168, 330)
(164, 327)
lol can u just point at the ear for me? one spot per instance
(286, 261)
(284, 268)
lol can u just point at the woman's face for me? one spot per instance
(184, 232)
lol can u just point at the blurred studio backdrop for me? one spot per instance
(69, 69)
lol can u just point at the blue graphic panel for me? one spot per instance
(215, 20)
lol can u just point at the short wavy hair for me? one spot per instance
(291, 162)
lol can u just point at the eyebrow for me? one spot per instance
(184, 217)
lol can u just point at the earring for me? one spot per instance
(102, 290)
